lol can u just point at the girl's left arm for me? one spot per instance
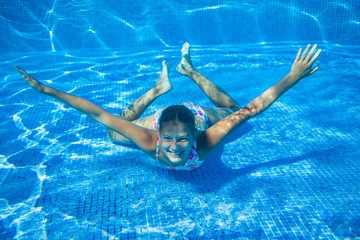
(215, 135)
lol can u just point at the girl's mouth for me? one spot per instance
(176, 154)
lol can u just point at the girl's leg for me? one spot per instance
(162, 86)
(134, 110)
(217, 95)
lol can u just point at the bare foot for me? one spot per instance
(163, 85)
(185, 66)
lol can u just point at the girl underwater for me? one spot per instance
(181, 137)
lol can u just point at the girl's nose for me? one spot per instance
(174, 145)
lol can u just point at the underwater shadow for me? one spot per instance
(244, 129)
(213, 174)
(128, 145)
(209, 177)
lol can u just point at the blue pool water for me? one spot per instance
(290, 173)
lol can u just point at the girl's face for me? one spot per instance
(176, 141)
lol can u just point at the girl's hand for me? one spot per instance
(38, 86)
(302, 66)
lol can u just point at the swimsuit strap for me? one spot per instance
(200, 113)
(157, 148)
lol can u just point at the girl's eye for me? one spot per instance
(183, 140)
(167, 138)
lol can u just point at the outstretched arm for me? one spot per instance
(144, 138)
(301, 68)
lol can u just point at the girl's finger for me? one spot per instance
(305, 52)
(315, 57)
(19, 70)
(311, 53)
(315, 69)
(298, 55)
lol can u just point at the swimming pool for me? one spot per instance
(290, 173)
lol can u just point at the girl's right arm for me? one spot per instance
(142, 137)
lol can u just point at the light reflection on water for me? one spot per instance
(61, 177)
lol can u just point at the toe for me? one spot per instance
(185, 49)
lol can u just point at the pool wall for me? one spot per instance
(61, 25)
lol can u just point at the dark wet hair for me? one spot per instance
(178, 113)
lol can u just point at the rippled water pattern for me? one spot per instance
(292, 172)
(62, 25)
